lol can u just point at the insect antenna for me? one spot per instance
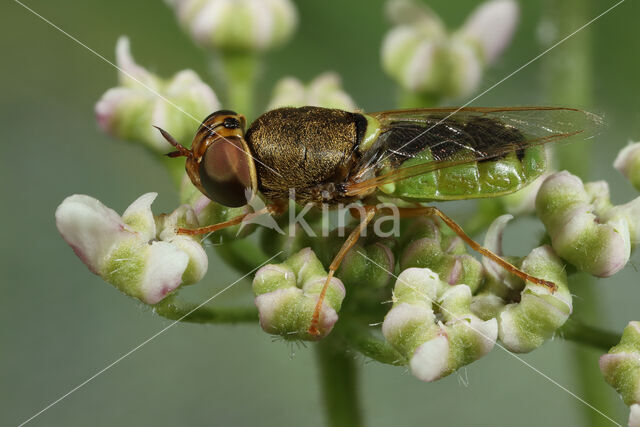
(182, 150)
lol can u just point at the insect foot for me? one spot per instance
(431, 324)
(585, 228)
(253, 25)
(143, 99)
(137, 253)
(628, 163)
(621, 369)
(286, 296)
(528, 314)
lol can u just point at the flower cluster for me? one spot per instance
(237, 25)
(448, 308)
(432, 325)
(287, 293)
(422, 56)
(143, 100)
(528, 314)
(621, 369)
(585, 228)
(138, 253)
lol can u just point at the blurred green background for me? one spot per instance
(61, 324)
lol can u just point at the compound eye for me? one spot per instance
(225, 172)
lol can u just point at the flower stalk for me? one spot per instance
(339, 378)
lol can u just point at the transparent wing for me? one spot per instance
(452, 136)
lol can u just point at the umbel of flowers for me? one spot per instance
(447, 308)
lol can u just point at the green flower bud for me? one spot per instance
(130, 110)
(584, 228)
(287, 293)
(323, 91)
(435, 348)
(237, 25)
(527, 324)
(621, 365)
(138, 253)
(628, 163)
(528, 314)
(434, 246)
(371, 271)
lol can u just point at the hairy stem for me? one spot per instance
(373, 346)
(174, 309)
(339, 382)
(597, 338)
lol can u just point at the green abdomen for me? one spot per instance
(487, 178)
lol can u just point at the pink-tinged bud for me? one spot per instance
(287, 293)
(435, 345)
(621, 365)
(584, 228)
(138, 253)
(143, 100)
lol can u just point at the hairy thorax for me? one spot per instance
(306, 152)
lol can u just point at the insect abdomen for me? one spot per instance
(488, 178)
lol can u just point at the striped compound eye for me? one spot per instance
(226, 171)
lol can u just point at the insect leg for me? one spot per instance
(270, 209)
(335, 264)
(433, 211)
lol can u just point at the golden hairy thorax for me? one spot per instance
(309, 149)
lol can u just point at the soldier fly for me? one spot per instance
(330, 156)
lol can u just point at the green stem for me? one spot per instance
(585, 358)
(241, 254)
(174, 309)
(339, 380)
(372, 346)
(569, 75)
(597, 338)
(239, 72)
(569, 82)
(409, 99)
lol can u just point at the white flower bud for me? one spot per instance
(584, 228)
(139, 254)
(492, 26)
(324, 91)
(130, 110)
(287, 293)
(237, 25)
(435, 346)
(628, 163)
(424, 58)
